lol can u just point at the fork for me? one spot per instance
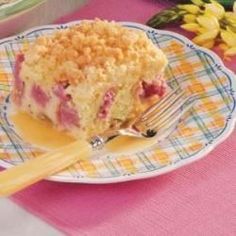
(156, 123)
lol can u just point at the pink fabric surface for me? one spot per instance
(198, 199)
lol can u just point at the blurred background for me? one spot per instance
(19, 15)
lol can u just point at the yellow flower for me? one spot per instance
(231, 29)
(203, 38)
(191, 8)
(223, 46)
(229, 38)
(208, 21)
(189, 18)
(192, 27)
(230, 52)
(202, 30)
(197, 2)
(212, 24)
(215, 9)
(209, 44)
(230, 17)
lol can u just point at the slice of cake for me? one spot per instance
(89, 78)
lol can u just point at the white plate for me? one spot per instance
(191, 68)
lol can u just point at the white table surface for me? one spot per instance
(15, 221)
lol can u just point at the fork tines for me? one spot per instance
(162, 104)
(165, 112)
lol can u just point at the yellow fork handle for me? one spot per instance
(19, 177)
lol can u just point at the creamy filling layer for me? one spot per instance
(58, 105)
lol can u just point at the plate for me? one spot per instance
(203, 127)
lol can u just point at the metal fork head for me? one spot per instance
(159, 120)
(163, 114)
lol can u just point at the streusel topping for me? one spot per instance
(92, 49)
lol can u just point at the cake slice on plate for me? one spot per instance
(89, 78)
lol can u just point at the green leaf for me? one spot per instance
(166, 17)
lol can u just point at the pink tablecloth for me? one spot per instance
(198, 199)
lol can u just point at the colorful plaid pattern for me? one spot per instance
(190, 68)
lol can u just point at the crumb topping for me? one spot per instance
(93, 50)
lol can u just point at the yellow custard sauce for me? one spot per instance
(42, 134)
(39, 132)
